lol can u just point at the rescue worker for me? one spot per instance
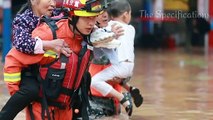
(123, 60)
(103, 48)
(74, 31)
(24, 23)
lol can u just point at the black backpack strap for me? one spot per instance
(80, 56)
(51, 23)
(44, 105)
(67, 91)
(63, 58)
(85, 88)
(30, 108)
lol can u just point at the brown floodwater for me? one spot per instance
(175, 85)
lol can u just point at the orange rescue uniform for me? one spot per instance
(15, 61)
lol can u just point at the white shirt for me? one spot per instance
(126, 50)
(110, 53)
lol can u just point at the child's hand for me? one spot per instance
(118, 30)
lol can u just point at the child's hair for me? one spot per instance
(118, 7)
(24, 7)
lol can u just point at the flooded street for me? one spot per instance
(175, 86)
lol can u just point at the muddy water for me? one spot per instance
(175, 86)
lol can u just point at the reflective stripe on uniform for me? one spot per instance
(50, 53)
(12, 77)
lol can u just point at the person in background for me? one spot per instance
(120, 13)
(103, 33)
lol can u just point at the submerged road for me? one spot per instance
(175, 85)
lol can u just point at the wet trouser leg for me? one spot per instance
(28, 92)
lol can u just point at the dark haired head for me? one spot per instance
(118, 7)
(24, 7)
